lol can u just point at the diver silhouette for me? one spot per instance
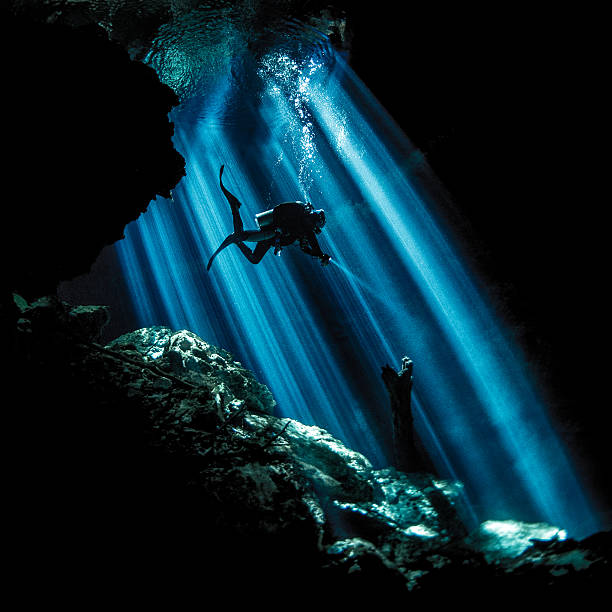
(278, 227)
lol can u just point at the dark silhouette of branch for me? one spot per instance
(399, 386)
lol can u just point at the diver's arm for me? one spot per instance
(310, 245)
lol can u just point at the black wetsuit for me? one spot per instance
(291, 222)
(295, 223)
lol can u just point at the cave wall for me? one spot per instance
(87, 145)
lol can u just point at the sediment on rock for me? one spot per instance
(163, 446)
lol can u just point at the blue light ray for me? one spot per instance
(318, 337)
(481, 349)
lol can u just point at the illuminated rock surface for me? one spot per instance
(232, 493)
(500, 540)
(232, 497)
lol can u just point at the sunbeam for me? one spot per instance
(399, 286)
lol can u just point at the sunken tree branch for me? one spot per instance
(399, 386)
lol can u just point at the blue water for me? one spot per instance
(398, 285)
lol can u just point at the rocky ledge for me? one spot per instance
(225, 496)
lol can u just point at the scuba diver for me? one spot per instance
(279, 227)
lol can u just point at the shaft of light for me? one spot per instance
(319, 336)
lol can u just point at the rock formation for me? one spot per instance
(223, 496)
(156, 464)
(87, 146)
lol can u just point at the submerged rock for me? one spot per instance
(224, 489)
(185, 355)
(503, 540)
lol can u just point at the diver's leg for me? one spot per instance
(234, 203)
(257, 254)
(256, 235)
(254, 256)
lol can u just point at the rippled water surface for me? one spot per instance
(193, 45)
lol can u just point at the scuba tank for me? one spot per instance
(265, 223)
(265, 219)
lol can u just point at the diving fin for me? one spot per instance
(231, 239)
(231, 198)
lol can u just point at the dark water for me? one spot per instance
(290, 120)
